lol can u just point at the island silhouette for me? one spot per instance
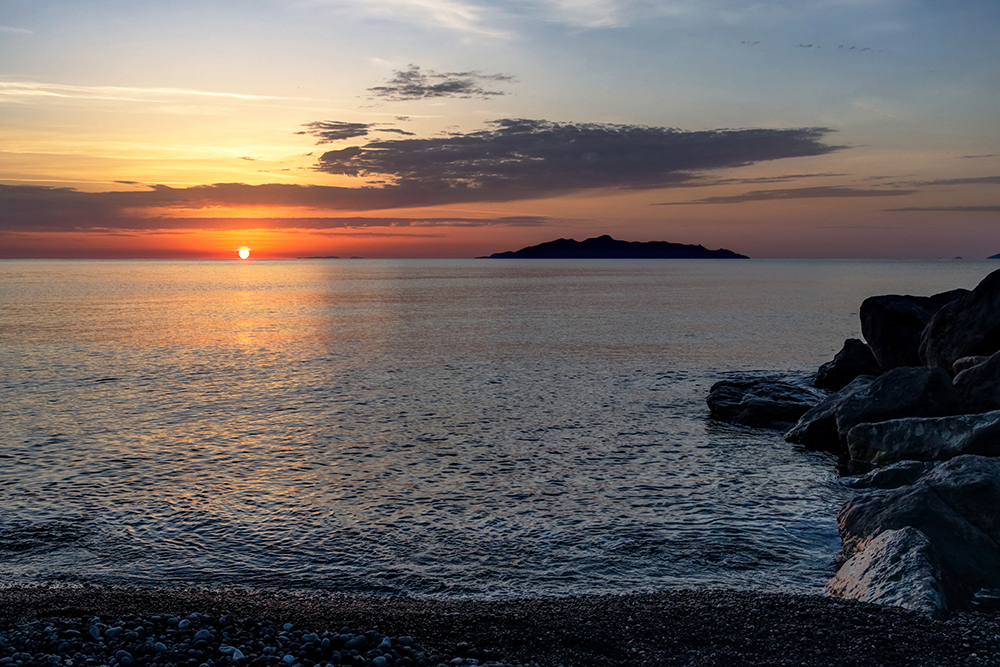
(605, 247)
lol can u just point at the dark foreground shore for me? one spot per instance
(666, 628)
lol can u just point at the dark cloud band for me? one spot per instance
(953, 209)
(793, 193)
(511, 160)
(517, 157)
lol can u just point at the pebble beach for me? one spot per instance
(93, 626)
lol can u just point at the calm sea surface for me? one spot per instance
(487, 428)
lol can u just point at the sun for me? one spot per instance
(243, 252)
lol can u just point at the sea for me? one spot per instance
(486, 429)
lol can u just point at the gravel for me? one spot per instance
(92, 626)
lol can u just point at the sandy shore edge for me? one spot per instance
(680, 627)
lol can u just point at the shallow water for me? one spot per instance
(484, 428)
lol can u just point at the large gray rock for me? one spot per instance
(901, 392)
(925, 439)
(817, 428)
(892, 476)
(956, 505)
(762, 403)
(968, 326)
(900, 568)
(892, 325)
(853, 360)
(978, 387)
(966, 363)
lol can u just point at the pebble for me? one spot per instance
(669, 629)
(129, 642)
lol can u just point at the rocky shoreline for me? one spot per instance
(135, 627)
(919, 403)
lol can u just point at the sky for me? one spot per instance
(459, 128)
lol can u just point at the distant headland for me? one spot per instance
(605, 247)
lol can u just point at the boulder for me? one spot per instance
(893, 476)
(761, 403)
(956, 505)
(966, 363)
(854, 359)
(900, 568)
(901, 392)
(925, 439)
(978, 387)
(817, 428)
(968, 326)
(892, 325)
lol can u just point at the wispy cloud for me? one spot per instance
(976, 180)
(588, 13)
(15, 31)
(954, 209)
(24, 91)
(454, 15)
(48, 209)
(414, 84)
(784, 178)
(793, 193)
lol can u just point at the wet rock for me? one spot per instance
(897, 567)
(893, 323)
(956, 506)
(761, 403)
(925, 439)
(968, 326)
(978, 386)
(966, 363)
(817, 428)
(853, 360)
(901, 392)
(891, 476)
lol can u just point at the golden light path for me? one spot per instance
(243, 252)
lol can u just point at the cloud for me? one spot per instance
(511, 160)
(40, 208)
(793, 193)
(15, 31)
(334, 130)
(767, 179)
(976, 157)
(22, 92)
(415, 84)
(587, 13)
(978, 180)
(954, 209)
(328, 131)
(518, 158)
(449, 14)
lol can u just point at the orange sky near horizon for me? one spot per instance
(445, 128)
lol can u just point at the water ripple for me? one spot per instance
(434, 429)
